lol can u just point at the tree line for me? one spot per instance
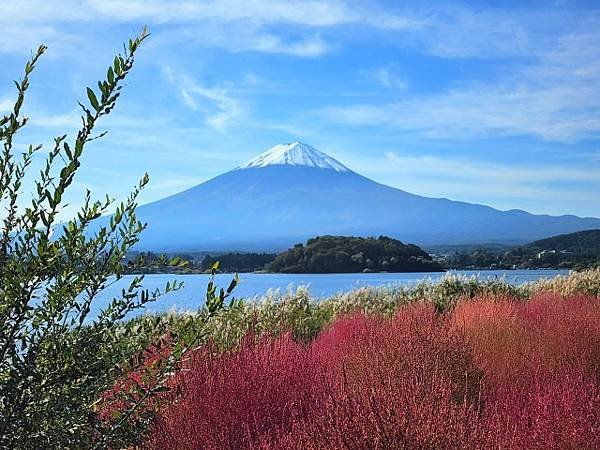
(568, 251)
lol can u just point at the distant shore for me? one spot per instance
(194, 271)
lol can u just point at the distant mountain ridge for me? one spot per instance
(293, 192)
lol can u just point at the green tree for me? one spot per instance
(57, 362)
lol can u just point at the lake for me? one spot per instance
(320, 285)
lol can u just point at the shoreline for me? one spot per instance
(264, 272)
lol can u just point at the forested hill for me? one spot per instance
(566, 251)
(581, 242)
(341, 254)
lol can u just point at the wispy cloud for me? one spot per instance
(312, 13)
(23, 37)
(67, 120)
(271, 26)
(305, 47)
(555, 96)
(6, 105)
(538, 188)
(241, 37)
(474, 170)
(389, 78)
(460, 32)
(224, 107)
(561, 113)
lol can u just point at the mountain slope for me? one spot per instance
(587, 241)
(294, 192)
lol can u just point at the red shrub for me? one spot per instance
(565, 331)
(541, 360)
(495, 332)
(410, 385)
(545, 410)
(238, 399)
(494, 373)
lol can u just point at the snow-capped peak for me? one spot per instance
(295, 154)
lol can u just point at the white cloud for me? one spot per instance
(539, 188)
(555, 95)
(481, 171)
(68, 120)
(224, 108)
(312, 13)
(561, 113)
(458, 32)
(22, 37)
(389, 79)
(237, 25)
(242, 38)
(314, 46)
(6, 105)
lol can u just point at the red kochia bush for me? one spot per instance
(541, 361)
(545, 410)
(366, 383)
(494, 373)
(238, 399)
(404, 383)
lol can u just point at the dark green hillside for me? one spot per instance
(581, 242)
(566, 251)
(341, 254)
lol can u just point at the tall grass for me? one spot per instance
(584, 282)
(304, 316)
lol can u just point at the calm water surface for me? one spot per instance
(320, 285)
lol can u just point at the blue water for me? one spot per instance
(320, 285)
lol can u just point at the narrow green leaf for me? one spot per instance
(93, 99)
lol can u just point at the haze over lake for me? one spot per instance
(320, 285)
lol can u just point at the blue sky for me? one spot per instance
(495, 105)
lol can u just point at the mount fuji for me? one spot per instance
(293, 192)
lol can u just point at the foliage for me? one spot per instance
(56, 361)
(239, 262)
(148, 262)
(340, 254)
(574, 250)
(494, 372)
(581, 241)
